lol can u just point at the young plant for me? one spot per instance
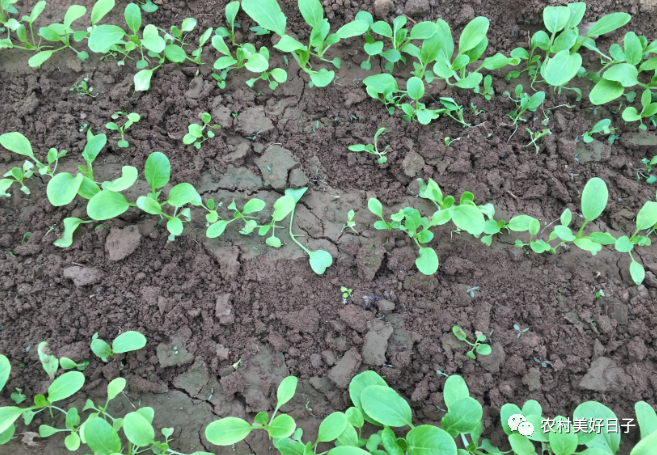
(383, 87)
(535, 136)
(83, 88)
(350, 222)
(247, 57)
(516, 327)
(630, 114)
(415, 91)
(346, 293)
(524, 103)
(320, 260)
(179, 33)
(479, 345)
(17, 27)
(126, 342)
(268, 15)
(195, 135)
(373, 149)
(640, 173)
(487, 90)
(131, 118)
(148, 6)
(231, 11)
(250, 223)
(602, 127)
(17, 175)
(282, 208)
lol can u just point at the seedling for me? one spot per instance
(282, 208)
(516, 327)
(346, 293)
(471, 290)
(195, 134)
(524, 103)
(250, 223)
(599, 294)
(479, 345)
(48, 361)
(18, 396)
(148, 6)
(373, 149)
(350, 222)
(630, 114)
(449, 140)
(237, 364)
(536, 136)
(418, 111)
(543, 363)
(126, 342)
(231, 11)
(83, 88)
(17, 175)
(9, 25)
(602, 127)
(648, 166)
(179, 33)
(487, 90)
(131, 118)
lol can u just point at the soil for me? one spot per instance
(229, 299)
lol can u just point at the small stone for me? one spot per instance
(376, 342)
(83, 276)
(532, 380)
(322, 385)
(274, 165)
(416, 8)
(224, 310)
(595, 379)
(385, 306)
(316, 360)
(413, 163)
(222, 352)
(329, 357)
(382, 8)
(637, 349)
(232, 384)
(254, 121)
(345, 369)
(492, 362)
(193, 380)
(121, 243)
(298, 179)
(355, 317)
(278, 342)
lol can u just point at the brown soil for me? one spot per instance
(219, 301)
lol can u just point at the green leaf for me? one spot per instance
(555, 18)
(473, 34)
(282, 207)
(332, 427)
(72, 418)
(605, 91)
(107, 204)
(115, 387)
(427, 263)
(101, 348)
(633, 48)
(352, 29)
(483, 349)
(604, 440)
(564, 233)
(175, 53)
(157, 170)
(93, 146)
(637, 272)
(355, 417)
(588, 245)
(72, 442)
(646, 446)
(216, 229)
(138, 430)
(462, 416)
(47, 430)
(17, 143)
(594, 198)
(133, 17)
(279, 75)
(603, 238)
(415, 88)
(359, 383)
(128, 178)
(286, 390)
(289, 44)
(384, 405)
(65, 386)
(267, 14)
(181, 194)
(647, 216)
(8, 416)
(322, 78)
(320, 260)
(5, 369)
(430, 440)
(469, 218)
(375, 207)
(101, 437)
(100, 9)
(561, 442)
(561, 68)
(149, 205)
(254, 205)
(461, 335)
(282, 426)
(497, 61)
(608, 23)
(349, 450)
(521, 445)
(227, 431)
(62, 188)
(103, 37)
(188, 24)
(623, 73)
(645, 415)
(128, 341)
(143, 81)
(257, 63)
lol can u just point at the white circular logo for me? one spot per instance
(518, 422)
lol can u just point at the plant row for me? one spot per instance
(106, 201)
(593, 425)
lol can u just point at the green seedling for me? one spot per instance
(599, 294)
(131, 118)
(453, 110)
(282, 208)
(384, 87)
(449, 140)
(195, 135)
(471, 290)
(249, 58)
(516, 327)
(479, 346)
(231, 11)
(198, 52)
(524, 103)
(346, 293)
(179, 33)
(648, 165)
(535, 136)
(148, 6)
(10, 24)
(487, 90)
(648, 110)
(250, 223)
(602, 127)
(48, 361)
(237, 364)
(26, 237)
(68, 364)
(474, 111)
(373, 149)
(543, 363)
(18, 396)
(350, 222)
(83, 88)
(268, 15)
(126, 342)
(415, 110)
(17, 175)
(320, 260)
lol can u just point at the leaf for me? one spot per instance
(143, 81)
(62, 188)
(462, 417)
(8, 415)
(633, 48)
(430, 440)
(128, 341)
(157, 170)
(17, 143)
(646, 446)
(427, 263)
(216, 229)
(647, 216)
(175, 53)
(65, 386)
(498, 61)
(132, 15)
(623, 73)
(355, 417)
(555, 18)
(282, 426)
(47, 430)
(484, 349)
(473, 33)
(521, 445)
(332, 427)
(138, 430)
(320, 260)
(289, 44)
(128, 178)
(103, 37)
(282, 207)
(227, 431)
(605, 91)
(101, 437)
(72, 442)
(322, 78)
(101, 349)
(608, 23)
(469, 218)
(594, 198)
(181, 194)
(560, 69)
(348, 450)
(267, 14)
(257, 63)
(604, 440)
(645, 415)
(354, 28)
(637, 272)
(107, 204)
(561, 442)
(415, 88)
(384, 405)
(100, 9)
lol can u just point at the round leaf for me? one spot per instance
(138, 430)
(157, 170)
(17, 143)
(181, 194)
(107, 204)
(605, 91)
(386, 406)
(105, 36)
(65, 386)
(254, 205)
(427, 263)
(646, 218)
(227, 431)
(128, 341)
(561, 68)
(320, 260)
(282, 426)
(101, 437)
(430, 440)
(115, 387)
(415, 88)
(127, 179)
(5, 369)
(332, 427)
(469, 218)
(216, 229)
(637, 272)
(594, 198)
(175, 226)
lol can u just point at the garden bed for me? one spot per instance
(219, 301)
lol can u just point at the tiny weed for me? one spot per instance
(479, 345)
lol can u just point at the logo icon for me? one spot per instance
(518, 422)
